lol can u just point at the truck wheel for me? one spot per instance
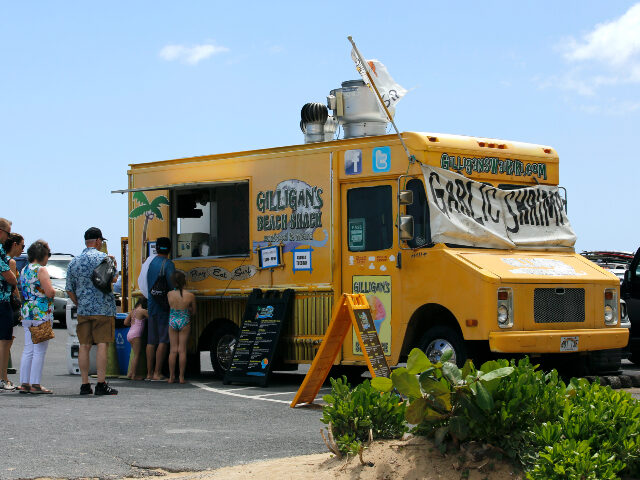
(440, 339)
(223, 344)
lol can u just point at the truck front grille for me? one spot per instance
(558, 305)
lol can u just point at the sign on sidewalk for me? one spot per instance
(352, 310)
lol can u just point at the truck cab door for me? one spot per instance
(369, 251)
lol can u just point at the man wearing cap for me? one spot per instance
(96, 311)
(158, 324)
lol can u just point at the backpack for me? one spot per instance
(158, 292)
(102, 275)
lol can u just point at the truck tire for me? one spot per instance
(439, 339)
(223, 344)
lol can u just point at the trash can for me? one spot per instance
(123, 347)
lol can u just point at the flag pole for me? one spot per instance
(375, 88)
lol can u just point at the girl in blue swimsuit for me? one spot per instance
(183, 307)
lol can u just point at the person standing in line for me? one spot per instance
(96, 311)
(37, 291)
(7, 284)
(158, 324)
(14, 247)
(136, 322)
(183, 308)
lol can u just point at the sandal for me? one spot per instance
(24, 388)
(40, 390)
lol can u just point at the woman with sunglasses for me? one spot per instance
(13, 246)
(37, 292)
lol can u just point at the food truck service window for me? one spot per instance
(369, 211)
(211, 221)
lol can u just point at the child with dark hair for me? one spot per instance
(183, 306)
(136, 320)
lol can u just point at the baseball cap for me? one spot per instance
(163, 245)
(93, 233)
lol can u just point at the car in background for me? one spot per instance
(615, 262)
(630, 293)
(57, 268)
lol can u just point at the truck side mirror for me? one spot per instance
(406, 227)
(405, 197)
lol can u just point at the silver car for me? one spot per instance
(57, 268)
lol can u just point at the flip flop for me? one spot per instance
(163, 379)
(22, 389)
(40, 391)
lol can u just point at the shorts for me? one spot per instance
(6, 321)
(158, 327)
(96, 329)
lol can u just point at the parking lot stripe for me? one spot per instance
(286, 393)
(233, 394)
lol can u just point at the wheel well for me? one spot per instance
(423, 318)
(207, 334)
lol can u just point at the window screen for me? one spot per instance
(370, 218)
(212, 221)
(419, 210)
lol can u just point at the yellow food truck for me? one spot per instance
(463, 245)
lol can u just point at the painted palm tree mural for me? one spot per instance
(150, 210)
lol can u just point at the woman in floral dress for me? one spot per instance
(37, 292)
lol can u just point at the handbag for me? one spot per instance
(42, 333)
(102, 275)
(160, 289)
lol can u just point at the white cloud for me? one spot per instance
(608, 55)
(190, 55)
(614, 43)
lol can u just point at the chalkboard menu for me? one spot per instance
(371, 343)
(262, 323)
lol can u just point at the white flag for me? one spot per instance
(390, 91)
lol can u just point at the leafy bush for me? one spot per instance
(596, 435)
(353, 413)
(445, 400)
(554, 430)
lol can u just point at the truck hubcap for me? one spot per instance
(437, 348)
(224, 350)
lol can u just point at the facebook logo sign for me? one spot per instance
(353, 162)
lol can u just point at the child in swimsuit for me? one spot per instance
(136, 320)
(183, 307)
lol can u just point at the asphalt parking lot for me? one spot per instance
(148, 425)
(198, 426)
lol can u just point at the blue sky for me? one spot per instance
(88, 88)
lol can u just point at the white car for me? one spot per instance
(57, 268)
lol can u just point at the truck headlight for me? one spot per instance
(608, 315)
(610, 306)
(503, 315)
(505, 308)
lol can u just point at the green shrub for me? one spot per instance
(596, 435)
(444, 399)
(352, 413)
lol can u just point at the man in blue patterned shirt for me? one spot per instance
(7, 283)
(96, 312)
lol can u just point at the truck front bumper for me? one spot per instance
(549, 341)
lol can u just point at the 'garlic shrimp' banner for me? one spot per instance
(466, 212)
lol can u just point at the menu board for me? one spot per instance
(264, 316)
(370, 341)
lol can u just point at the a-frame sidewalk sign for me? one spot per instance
(352, 310)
